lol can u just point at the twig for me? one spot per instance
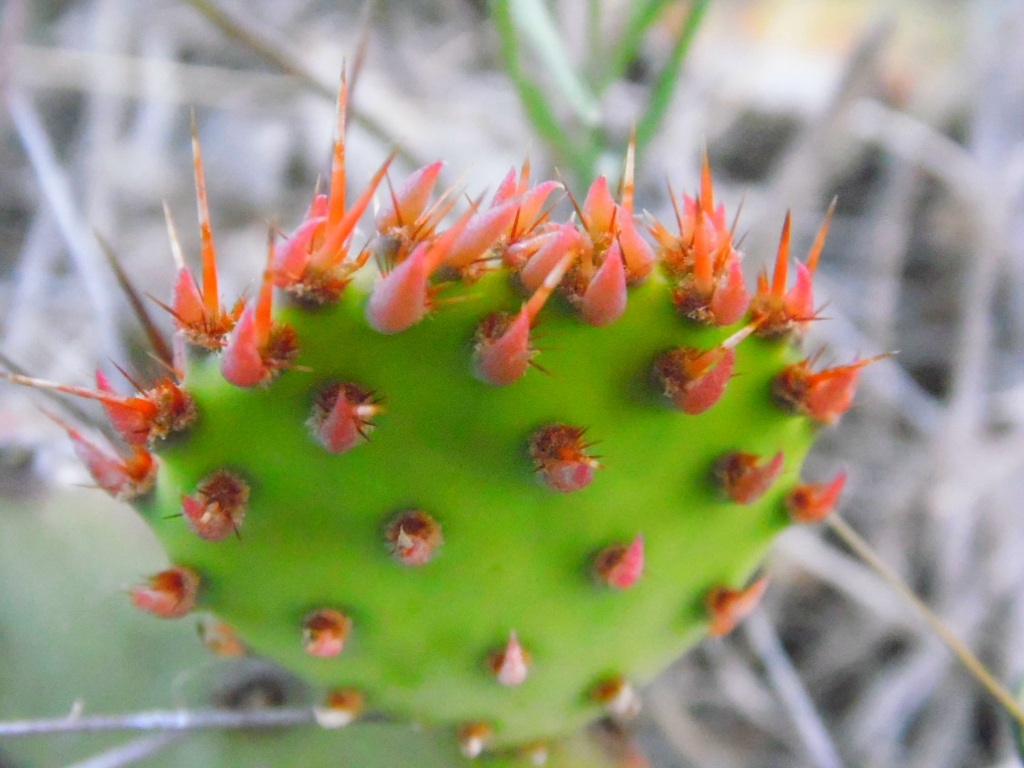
(234, 28)
(237, 30)
(57, 191)
(163, 720)
(791, 691)
(973, 664)
(131, 752)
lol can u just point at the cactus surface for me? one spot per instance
(495, 486)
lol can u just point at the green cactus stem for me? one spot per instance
(494, 488)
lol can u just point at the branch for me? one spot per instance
(163, 720)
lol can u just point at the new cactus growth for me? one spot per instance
(494, 488)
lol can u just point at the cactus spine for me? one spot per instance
(487, 491)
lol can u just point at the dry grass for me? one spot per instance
(924, 146)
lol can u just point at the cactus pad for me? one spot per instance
(527, 465)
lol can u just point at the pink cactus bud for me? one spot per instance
(511, 665)
(620, 566)
(474, 738)
(324, 632)
(242, 363)
(502, 352)
(218, 507)
(536, 753)
(413, 537)
(343, 416)
(565, 240)
(169, 594)
(599, 209)
(618, 697)
(528, 216)
(813, 502)
(293, 256)
(341, 708)
(401, 299)
(731, 298)
(728, 607)
(636, 253)
(258, 348)
(480, 235)
(187, 301)
(745, 477)
(604, 300)
(410, 200)
(562, 462)
(507, 189)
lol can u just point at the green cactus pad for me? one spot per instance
(373, 488)
(516, 555)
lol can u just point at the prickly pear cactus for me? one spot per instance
(492, 483)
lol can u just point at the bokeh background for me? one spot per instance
(911, 113)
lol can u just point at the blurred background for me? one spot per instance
(911, 113)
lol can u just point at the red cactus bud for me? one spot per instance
(745, 478)
(728, 607)
(562, 462)
(220, 639)
(341, 708)
(813, 502)
(154, 413)
(824, 396)
(509, 186)
(312, 264)
(694, 380)
(511, 665)
(474, 738)
(620, 566)
(413, 537)
(197, 312)
(124, 479)
(324, 632)
(604, 300)
(618, 697)
(218, 507)
(342, 416)
(132, 417)
(169, 594)
(780, 313)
